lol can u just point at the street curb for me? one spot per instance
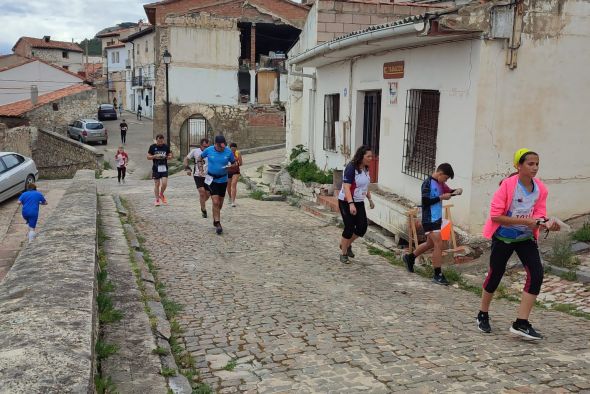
(580, 276)
(262, 149)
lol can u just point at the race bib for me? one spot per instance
(208, 179)
(162, 168)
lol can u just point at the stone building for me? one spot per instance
(39, 94)
(227, 70)
(67, 55)
(467, 85)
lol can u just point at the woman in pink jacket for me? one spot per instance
(517, 211)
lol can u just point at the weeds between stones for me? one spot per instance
(160, 351)
(168, 372)
(257, 194)
(231, 365)
(582, 234)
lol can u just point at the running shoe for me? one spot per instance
(409, 260)
(233, 204)
(157, 202)
(525, 330)
(440, 279)
(483, 323)
(344, 259)
(164, 200)
(349, 252)
(204, 213)
(218, 229)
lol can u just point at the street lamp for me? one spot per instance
(167, 58)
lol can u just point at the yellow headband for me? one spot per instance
(519, 154)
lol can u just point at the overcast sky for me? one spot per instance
(63, 19)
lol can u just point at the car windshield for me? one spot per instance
(106, 106)
(94, 126)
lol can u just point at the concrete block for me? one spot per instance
(326, 17)
(334, 27)
(362, 19)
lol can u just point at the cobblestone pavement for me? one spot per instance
(268, 308)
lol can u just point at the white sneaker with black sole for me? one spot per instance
(526, 331)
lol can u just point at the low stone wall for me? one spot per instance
(48, 317)
(18, 139)
(57, 156)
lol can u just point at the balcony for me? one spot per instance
(137, 81)
(128, 64)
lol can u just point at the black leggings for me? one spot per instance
(527, 252)
(123, 136)
(121, 173)
(353, 224)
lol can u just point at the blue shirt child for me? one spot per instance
(31, 200)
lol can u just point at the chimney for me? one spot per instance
(34, 94)
(46, 38)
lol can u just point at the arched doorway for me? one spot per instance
(195, 128)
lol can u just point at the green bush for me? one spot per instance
(562, 255)
(582, 234)
(308, 171)
(299, 149)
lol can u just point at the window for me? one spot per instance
(2, 167)
(55, 106)
(12, 161)
(422, 108)
(65, 54)
(331, 116)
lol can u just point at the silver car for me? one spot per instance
(16, 171)
(88, 130)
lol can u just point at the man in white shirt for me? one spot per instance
(199, 172)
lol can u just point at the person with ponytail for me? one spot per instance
(518, 210)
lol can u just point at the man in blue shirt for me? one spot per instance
(219, 158)
(30, 200)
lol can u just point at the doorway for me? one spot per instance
(371, 128)
(192, 131)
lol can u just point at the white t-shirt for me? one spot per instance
(522, 206)
(359, 183)
(200, 168)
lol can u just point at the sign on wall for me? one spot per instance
(393, 89)
(393, 70)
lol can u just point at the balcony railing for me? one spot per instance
(137, 81)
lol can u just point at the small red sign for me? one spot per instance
(393, 70)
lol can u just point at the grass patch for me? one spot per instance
(583, 233)
(167, 372)
(257, 194)
(171, 308)
(231, 365)
(160, 351)
(97, 174)
(104, 350)
(562, 255)
(104, 385)
(572, 276)
(202, 388)
(106, 165)
(571, 310)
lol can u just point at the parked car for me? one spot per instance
(107, 111)
(16, 171)
(88, 130)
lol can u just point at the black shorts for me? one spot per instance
(158, 175)
(235, 173)
(433, 226)
(217, 189)
(199, 181)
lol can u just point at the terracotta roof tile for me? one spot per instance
(41, 43)
(20, 108)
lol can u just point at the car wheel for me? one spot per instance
(30, 179)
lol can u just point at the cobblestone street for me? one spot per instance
(268, 308)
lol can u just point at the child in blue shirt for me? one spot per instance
(30, 200)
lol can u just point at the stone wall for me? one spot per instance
(55, 156)
(70, 108)
(48, 314)
(247, 126)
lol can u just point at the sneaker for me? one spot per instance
(344, 259)
(157, 203)
(409, 260)
(483, 323)
(349, 252)
(440, 280)
(218, 229)
(525, 330)
(233, 204)
(164, 200)
(204, 213)
(123, 180)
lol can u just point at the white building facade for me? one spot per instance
(141, 71)
(421, 93)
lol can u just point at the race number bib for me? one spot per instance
(208, 179)
(162, 168)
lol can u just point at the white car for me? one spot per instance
(16, 171)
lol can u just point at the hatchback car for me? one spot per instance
(16, 171)
(88, 130)
(107, 111)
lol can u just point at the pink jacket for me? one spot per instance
(503, 198)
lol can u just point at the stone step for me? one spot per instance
(329, 202)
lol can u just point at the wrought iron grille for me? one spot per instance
(422, 108)
(331, 116)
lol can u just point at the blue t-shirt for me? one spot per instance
(431, 202)
(216, 162)
(31, 200)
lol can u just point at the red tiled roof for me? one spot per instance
(41, 43)
(22, 107)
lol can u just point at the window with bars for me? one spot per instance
(422, 108)
(331, 116)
